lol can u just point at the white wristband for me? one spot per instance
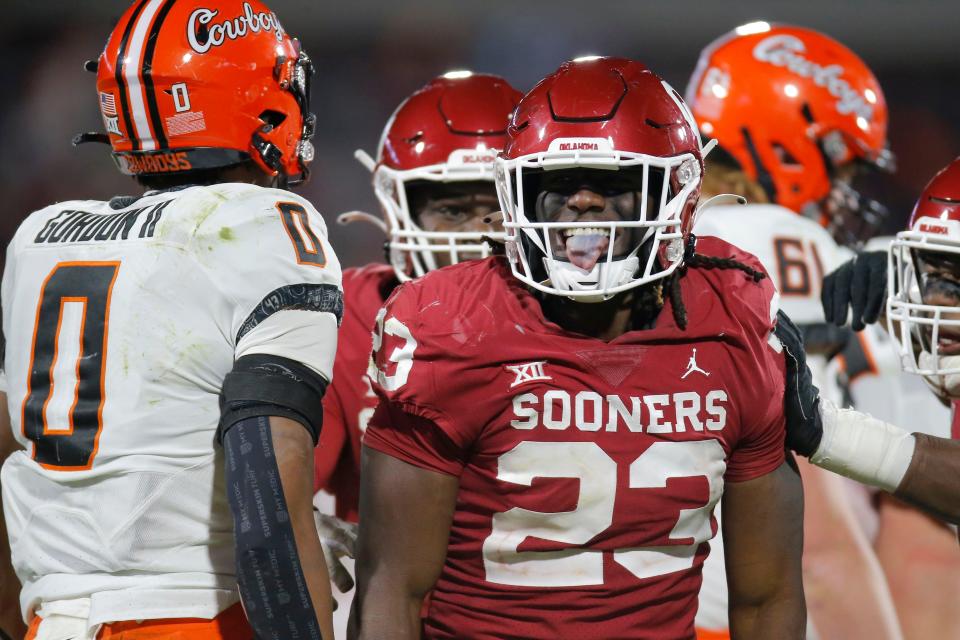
(863, 448)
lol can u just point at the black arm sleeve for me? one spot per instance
(268, 385)
(271, 580)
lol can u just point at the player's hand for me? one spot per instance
(801, 398)
(861, 285)
(339, 540)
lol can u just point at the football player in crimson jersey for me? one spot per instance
(556, 426)
(434, 179)
(167, 353)
(923, 312)
(792, 143)
(858, 290)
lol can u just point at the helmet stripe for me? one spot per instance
(148, 85)
(121, 87)
(132, 74)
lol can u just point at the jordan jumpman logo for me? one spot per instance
(692, 366)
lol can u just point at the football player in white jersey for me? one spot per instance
(751, 92)
(166, 354)
(11, 622)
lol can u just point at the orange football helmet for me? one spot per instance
(202, 84)
(791, 105)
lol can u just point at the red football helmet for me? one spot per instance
(450, 130)
(792, 105)
(928, 334)
(201, 84)
(610, 114)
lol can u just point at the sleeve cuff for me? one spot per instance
(413, 439)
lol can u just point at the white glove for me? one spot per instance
(339, 540)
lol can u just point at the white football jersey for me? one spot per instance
(795, 250)
(797, 253)
(121, 325)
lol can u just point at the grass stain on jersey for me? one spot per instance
(226, 233)
(204, 210)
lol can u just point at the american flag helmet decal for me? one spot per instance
(108, 105)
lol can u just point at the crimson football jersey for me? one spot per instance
(588, 469)
(349, 401)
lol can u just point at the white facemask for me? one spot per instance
(944, 385)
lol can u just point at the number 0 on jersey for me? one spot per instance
(63, 409)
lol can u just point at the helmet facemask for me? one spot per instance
(294, 76)
(852, 217)
(923, 310)
(413, 250)
(631, 236)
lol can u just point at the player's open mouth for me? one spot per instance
(585, 245)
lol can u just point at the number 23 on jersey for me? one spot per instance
(577, 565)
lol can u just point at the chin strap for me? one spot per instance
(707, 148)
(721, 199)
(365, 159)
(348, 217)
(90, 136)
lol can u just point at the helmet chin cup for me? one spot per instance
(567, 277)
(946, 384)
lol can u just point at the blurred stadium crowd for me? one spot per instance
(371, 54)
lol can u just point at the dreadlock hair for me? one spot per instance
(694, 260)
(497, 247)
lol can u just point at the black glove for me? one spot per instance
(860, 284)
(800, 397)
